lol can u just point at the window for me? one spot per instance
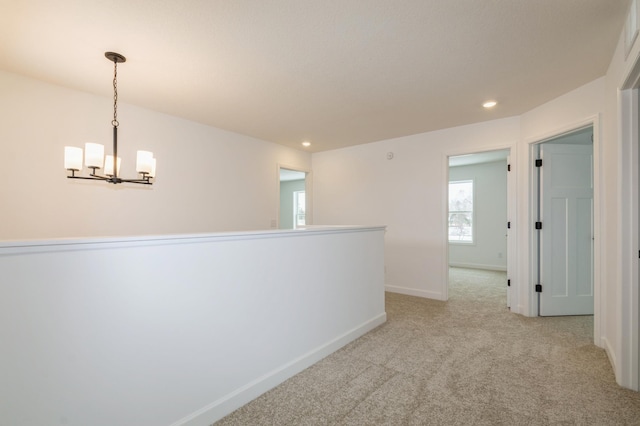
(298, 208)
(461, 211)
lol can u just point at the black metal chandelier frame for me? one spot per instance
(145, 179)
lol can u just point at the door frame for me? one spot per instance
(533, 144)
(628, 302)
(512, 246)
(308, 187)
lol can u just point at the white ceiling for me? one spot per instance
(333, 72)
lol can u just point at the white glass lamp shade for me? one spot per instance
(144, 162)
(72, 158)
(93, 155)
(152, 173)
(108, 165)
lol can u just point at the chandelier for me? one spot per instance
(94, 158)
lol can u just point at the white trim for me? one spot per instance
(532, 297)
(628, 303)
(599, 305)
(444, 285)
(500, 268)
(630, 28)
(70, 244)
(512, 236)
(611, 354)
(415, 292)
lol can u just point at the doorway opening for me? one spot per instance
(477, 221)
(563, 212)
(293, 205)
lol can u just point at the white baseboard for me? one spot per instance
(414, 292)
(501, 268)
(519, 309)
(236, 399)
(611, 355)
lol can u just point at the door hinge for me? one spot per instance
(538, 225)
(539, 162)
(538, 288)
(508, 167)
(508, 225)
(508, 283)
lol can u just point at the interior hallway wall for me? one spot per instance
(195, 165)
(619, 293)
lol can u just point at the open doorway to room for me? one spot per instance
(478, 225)
(293, 199)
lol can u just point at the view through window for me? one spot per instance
(299, 208)
(461, 211)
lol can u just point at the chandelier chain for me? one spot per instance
(115, 94)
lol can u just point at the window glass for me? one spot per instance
(461, 211)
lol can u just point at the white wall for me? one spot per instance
(195, 164)
(621, 293)
(408, 193)
(176, 330)
(489, 249)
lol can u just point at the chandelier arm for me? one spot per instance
(139, 181)
(93, 177)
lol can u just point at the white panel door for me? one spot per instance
(566, 239)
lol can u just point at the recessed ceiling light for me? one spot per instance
(306, 144)
(489, 104)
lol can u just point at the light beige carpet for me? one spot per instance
(468, 361)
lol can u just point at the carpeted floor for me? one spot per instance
(468, 361)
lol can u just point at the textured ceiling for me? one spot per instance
(334, 72)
